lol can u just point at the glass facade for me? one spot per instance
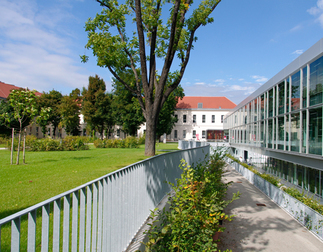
(285, 118)
(290, 119)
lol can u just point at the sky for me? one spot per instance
(248, 43)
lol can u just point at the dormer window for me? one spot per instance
(200, 105)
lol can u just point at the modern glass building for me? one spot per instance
(278, 128)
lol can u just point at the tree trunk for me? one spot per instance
(150, 139)
(24, 148)
(18, 151)
(12, 143)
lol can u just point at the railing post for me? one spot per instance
(31, 231)
(15, 235)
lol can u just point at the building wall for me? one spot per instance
(279, 127)
(205, 120)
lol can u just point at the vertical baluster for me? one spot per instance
(0, 238)
(82, 221)
(99, 245)
(66, 223)
(45, 228)
(105, 215)
(95, 216)
(88, 218)
(32, 230)
(110, 216)
(15, 235)
(56, 225)
(75, 210)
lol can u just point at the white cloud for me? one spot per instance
(241, 79)
(34, 50)
(317, 11)
(258, 78)
(298, 52)
(199, 83)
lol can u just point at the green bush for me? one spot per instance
(47, 144)
(142, 139)
(129, 142)
(195, 211)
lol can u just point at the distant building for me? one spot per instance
(199, 118)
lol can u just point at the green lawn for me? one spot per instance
(47, 174)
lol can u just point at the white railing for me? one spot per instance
(102, 215)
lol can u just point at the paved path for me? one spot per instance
(261, 228)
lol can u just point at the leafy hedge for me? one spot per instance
(305, 199)
(69, 143)
(129, 142)
(195, 212)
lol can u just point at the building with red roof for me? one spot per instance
(5, 90)
(200, 118)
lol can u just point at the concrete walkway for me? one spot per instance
(261, 228)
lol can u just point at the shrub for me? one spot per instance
(129, 142)
(195, 211)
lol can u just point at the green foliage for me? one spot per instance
(70, 111)
(138, 52)
(69, 143)
(309, 201)
(97, 106)
(195, 211)
(271, 179)
(50, 100)
(129, 142)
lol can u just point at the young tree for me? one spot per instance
(152, 39)
(97, 106)
(22, 110)
(51, 100)
(70, 111)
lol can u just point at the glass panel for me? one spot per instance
(274, 133)
(271, 103)
(270, 133)
(300, 175)
(316, 81)
(281, 98)
(281, 132)
(255, 110)
(290, 172)
(304, 124)
(287, 95)
(262, 134)
(262, 105)
(296, 91)
(315, 131)
(295, 132)
(313, 179)
(304, 87)
(287, 132)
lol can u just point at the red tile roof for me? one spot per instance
(191, 102)
(6, 88)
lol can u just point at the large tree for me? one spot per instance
(52, 100)
(70, 110)
(119, 47)
(127, 111)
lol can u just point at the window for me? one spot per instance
(222, 116)
(176, 117)
(118, 133)
(184, 118)
(184, 134)
(200, 105)
(194, 118)
(203, 118)
(203, 133)
(194, 133)
(175, 134)
(213, 118)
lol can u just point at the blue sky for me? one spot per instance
(248, 43)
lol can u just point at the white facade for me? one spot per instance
(197, 123)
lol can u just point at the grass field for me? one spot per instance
(47, 174)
